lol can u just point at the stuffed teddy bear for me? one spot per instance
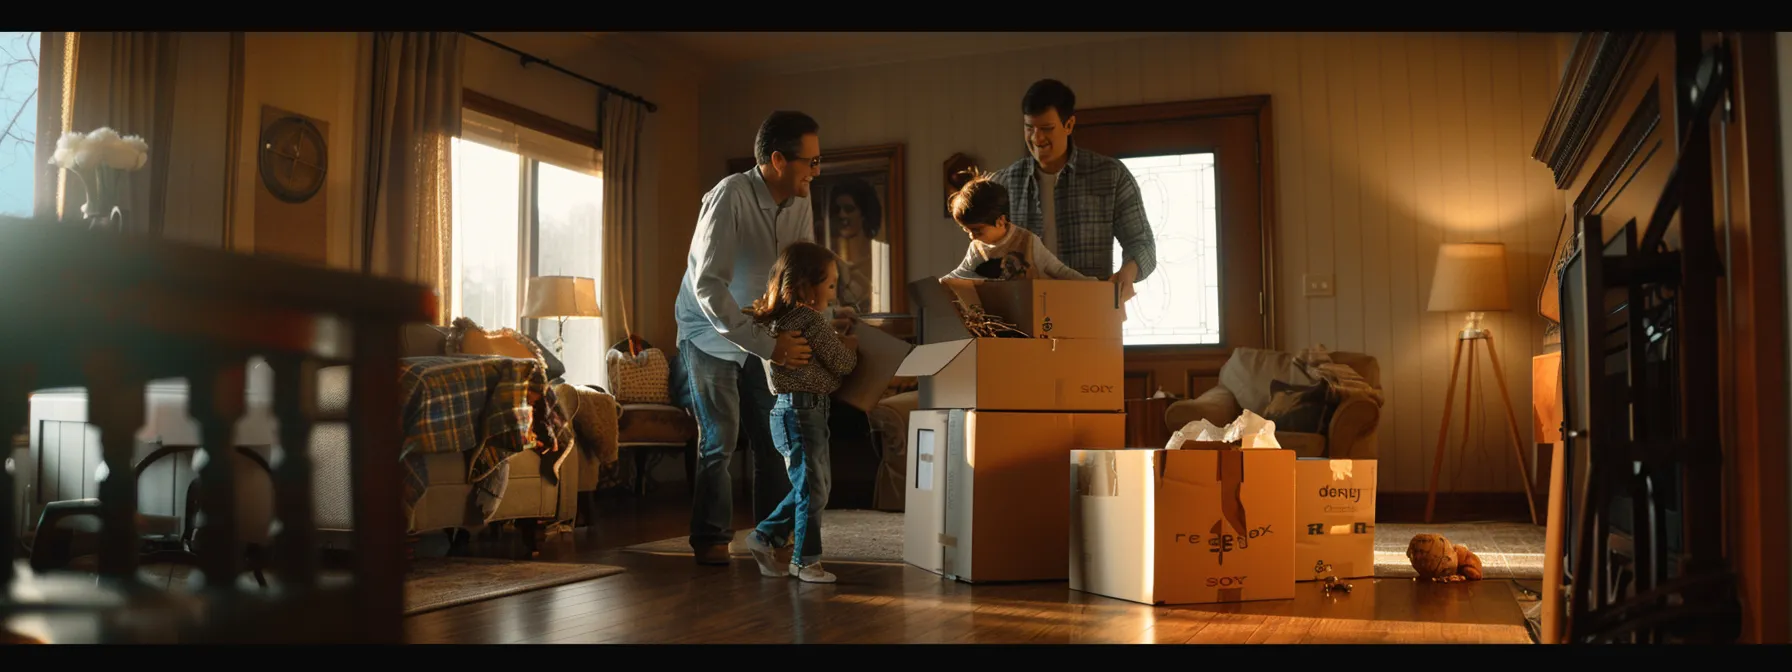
(1468, 565)
(1436, 559)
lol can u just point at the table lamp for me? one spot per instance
(561, 296)
(1472, 277)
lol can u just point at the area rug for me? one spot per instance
(439, 583)
(847, 535)
(1507, 550)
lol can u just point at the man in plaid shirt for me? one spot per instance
(1078, 202)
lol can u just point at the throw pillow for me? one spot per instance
(640, 378)
(467, 338)
(1296, 408)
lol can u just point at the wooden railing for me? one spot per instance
(110, 312)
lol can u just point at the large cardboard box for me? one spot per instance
(1020, 374)
(1208, 523)
(1046, 308)
(986, 499)
(1334, 511)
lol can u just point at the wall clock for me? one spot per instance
(293, 158)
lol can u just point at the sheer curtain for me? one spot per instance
(620, 122)
(407, 224)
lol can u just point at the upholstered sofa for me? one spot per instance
(531, 498)
(1245, 385)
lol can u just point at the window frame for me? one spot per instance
(529, 196)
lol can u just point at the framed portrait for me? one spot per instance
(859, 203)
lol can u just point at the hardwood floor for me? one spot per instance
(672, 600)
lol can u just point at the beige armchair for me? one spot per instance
(1245, 384)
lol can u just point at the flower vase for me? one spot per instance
(102, 218)
(100, 161)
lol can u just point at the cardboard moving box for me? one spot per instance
(1056, 308)
(986, 494)
(1334, 510)
(1020, 374)
(1184, 526)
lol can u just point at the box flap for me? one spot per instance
(936, 320)
(927, 360)
(880, 354)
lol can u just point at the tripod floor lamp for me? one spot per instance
(1472, 277)
(561, 296)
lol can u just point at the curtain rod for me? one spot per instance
(531, 58)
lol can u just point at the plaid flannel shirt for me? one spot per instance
(1097, 203)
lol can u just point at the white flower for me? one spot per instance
(76, 151)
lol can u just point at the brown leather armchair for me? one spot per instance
(1245, 384)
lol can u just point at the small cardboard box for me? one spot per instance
(1020, 374)
(1334, 510)
(1046, 308)
(1208, 523)
(985, 495)
(880, 354)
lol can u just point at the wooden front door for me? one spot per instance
(1203, 170)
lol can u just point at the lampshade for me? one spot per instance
(561, 296)
(1469, 277)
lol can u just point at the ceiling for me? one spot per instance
(795, 51)
(737, 48)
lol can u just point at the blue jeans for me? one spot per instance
(728, 398)
(800, 430)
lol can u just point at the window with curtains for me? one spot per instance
(527, 203)
(18, 121)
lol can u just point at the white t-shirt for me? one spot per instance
(1048, 205)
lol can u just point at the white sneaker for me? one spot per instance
(766, 556)
(811, 573)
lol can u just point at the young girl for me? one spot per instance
(801, 284)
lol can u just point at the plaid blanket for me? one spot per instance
(489, 408)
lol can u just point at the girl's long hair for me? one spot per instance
(799, 267)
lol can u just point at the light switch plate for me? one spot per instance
(1319, 285)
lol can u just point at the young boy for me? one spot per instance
(999, 250)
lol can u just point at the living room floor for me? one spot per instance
(670, 599)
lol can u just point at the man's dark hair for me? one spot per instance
(783, 132)
(1048, 94)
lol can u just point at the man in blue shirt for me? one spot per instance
(746, 220)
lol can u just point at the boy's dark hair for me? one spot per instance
(782, 132)
(980, 201)
(1048, 94)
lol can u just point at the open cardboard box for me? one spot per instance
(1207, 523)
(958, 370)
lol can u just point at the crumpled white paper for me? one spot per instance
(1248, 431)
